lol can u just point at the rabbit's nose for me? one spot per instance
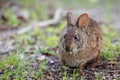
(67, 48)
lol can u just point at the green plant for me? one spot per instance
(75, 75)
(9, 61)
(110, 50)
(52, 41)
(98, 77)
(12, 18)
(42, 67)
(55, 30)
(26, 2)
(118, 78)
(65, 77)
(12, 65)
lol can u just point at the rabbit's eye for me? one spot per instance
(76, 37)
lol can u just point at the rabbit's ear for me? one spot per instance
(70, 18)
(83, 20)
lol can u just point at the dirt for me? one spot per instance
(106, 70)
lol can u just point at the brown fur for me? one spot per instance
(91, 38)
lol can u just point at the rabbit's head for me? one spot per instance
(74, 37)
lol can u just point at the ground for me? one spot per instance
(33, 55)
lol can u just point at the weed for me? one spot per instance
(65, 76)
(110, 50)
(98, 77)
(12, 18)
(75, 75)
(42, 67)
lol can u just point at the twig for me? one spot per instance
(55, 20)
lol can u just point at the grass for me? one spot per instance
(11, 60)
(17, 66)
(65, 77)
(98, 77)
(12, 18)
(11, 65)
(75, 75)
(110, 50)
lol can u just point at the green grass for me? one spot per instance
(75, 75)
(12, 65)
(110, 50)
(42, 67)
(9, 61)
(16, 66)
(12, 18)
(65, 76)
(98, 77)
(118, 78)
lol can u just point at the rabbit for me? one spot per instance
(80, 42)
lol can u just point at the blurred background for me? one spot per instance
(29, 31)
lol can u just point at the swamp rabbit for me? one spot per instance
(80, 42)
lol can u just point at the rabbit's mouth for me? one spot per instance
(73, 51)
